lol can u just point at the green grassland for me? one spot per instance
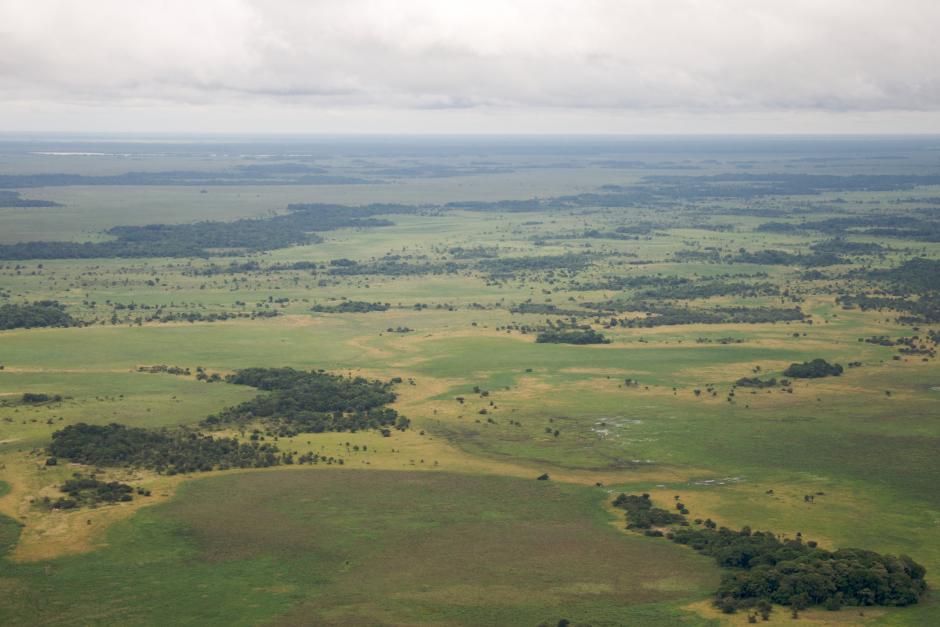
(335, 548)
(445, 524)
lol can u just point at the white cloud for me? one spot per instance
(596, 57)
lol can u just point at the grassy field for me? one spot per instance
(444, 524)
(334, 548)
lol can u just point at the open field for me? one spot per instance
(443, 523)
(334, 548)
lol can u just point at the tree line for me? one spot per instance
(667, 315)
(351, 306)
(767, 569)
(208, 238)
(13, 199)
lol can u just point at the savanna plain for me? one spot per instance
(444, 381)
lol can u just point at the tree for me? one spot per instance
(764, 608)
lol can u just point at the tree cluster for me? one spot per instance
(299, 401)
(38, 398)
(642, 515)
(509, 267)
(800, 574)
(815, 369)
(571, 336)
(882, 224)
(757, 382)
(84, 490)
(781, 258)
(392, 266)
(13, 199)
(767, 569)
(41, 313)
(165, 451)
(351, 306)
(667, 315)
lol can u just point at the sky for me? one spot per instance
(470, 66)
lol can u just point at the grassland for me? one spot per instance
(445, 523)
(334, 548)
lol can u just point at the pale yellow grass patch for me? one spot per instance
(781, 615)
(707, 504)
(50, 534)
(612, 372)
(298, 320)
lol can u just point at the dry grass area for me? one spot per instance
(47, 534)
(782, 616)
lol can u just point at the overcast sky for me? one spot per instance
(402, 66)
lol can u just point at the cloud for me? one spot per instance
(688, 56)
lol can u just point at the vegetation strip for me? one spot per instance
(768, 569)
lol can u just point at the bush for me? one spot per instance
(33, 398)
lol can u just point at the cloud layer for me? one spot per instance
(596, 57)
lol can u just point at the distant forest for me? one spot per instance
(268, 174)
(13, 199)
(302, 221)
(204, 239)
